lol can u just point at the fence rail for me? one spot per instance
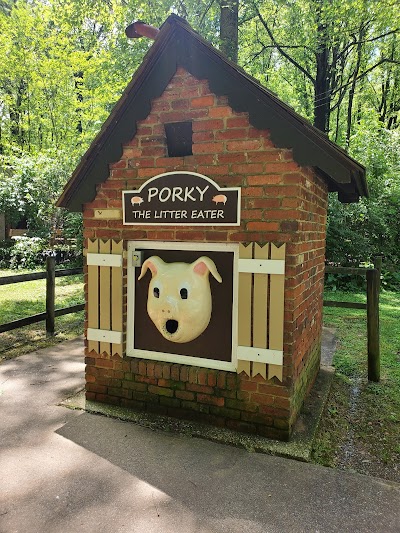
(373, 276)
(51, 313)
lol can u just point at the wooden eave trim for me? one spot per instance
(342, 168)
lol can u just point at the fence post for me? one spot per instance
(50, 295)
(378, 266)
(373, 282)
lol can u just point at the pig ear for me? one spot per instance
(154, 263)
(204, 265)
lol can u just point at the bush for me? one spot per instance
(31, 253)
(5, 253)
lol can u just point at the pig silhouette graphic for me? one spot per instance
(220, 199)
(136, 200)
(179, 300)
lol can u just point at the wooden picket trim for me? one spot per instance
(117, 248)
(261, 304)
(93, 295)
(105, 305)
(244, 303)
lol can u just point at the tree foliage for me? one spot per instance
(64, 64)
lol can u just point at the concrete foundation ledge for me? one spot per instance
(299, 447)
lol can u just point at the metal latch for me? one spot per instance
(137, 258)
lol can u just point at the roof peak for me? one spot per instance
(178, 45)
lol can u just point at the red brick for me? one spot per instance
(251, 214)
(290, 202)
(92, 387)
(104, 363)
(231, 158)
(237, 122)
(211, 379)
(161, 235)
(180, 104)
(173, 372)
(221, 380)
(264, 179)
(211, 400)
(264, 202)
(220, 236)
(190, 235)
(202, 377)
(185, 395)
(262, 399)
(216, 170)
(203, 136)
(168, 162)
(184, 373)
(161, 391)
(243, 146)
(253, 191)
(132, 152)
(248, 386)
(222, 111)
(203, 101)
(282, 402)
(207, 148)
(230, 134)
(150, 172)
(189, 92)
(246, 237)
(194, 387)
(281, 167)
(248, 168)
(263, 156)
(208, 125)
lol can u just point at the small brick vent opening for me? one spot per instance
(179, 138)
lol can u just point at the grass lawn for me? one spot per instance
(28, 298)
(360, 429)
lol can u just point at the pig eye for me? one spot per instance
(184, 294)
(156, 292)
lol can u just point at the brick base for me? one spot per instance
(216, 397)
(307, 378)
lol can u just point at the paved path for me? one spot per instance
(65, 471)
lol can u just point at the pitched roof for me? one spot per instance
(178, 44)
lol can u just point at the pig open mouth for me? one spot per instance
(171, 326)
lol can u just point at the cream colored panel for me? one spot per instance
(265, 266)
(93, 295)
(105, 295)
(260, 355)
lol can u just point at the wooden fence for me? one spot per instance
(372, 307)
(51, 312)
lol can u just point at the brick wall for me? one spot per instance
(281, 202)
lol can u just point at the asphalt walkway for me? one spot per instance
(65, 471)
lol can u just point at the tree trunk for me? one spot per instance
(79, 99)
(322, 96)
(322, 86)
(229, 28)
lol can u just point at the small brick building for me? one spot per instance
(187, 114)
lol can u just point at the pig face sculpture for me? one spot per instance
(179, 299)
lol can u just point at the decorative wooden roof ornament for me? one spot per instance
(177, 44)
